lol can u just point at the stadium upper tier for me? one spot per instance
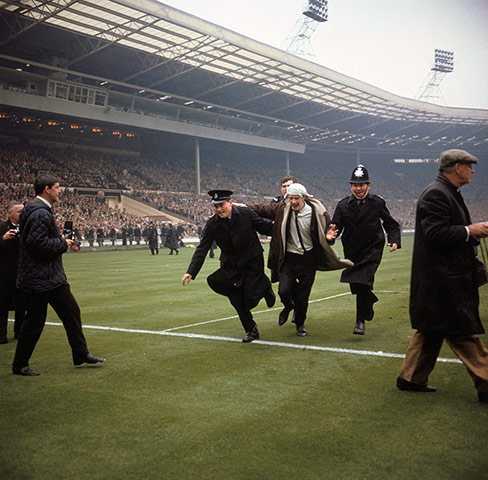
(144, 64)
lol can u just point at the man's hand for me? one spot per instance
(331, 232)
(9, 234)
(69, 242)
(478, 230)
(393, 246)
(186, 279)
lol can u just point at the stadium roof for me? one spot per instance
(205, 80)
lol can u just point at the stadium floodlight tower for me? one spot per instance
(430, 90)
(298, 41)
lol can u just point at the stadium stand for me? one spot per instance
(168, 186)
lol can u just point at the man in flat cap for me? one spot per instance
(444, 292)
(300, 245)
(241, 275)
(361, 219)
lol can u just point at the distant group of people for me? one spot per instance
(444, 291)
(444, 296)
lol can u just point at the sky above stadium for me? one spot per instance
(387, 43)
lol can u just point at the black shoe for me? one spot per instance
(3, 341)
(25, 371)
(483, 397)
(254, 335)
(88, 358)
(301, 332)
(403, 384)
(282, 319)
(270, 297)
(359, 328)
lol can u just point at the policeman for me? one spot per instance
(360, 219)
(241, 275)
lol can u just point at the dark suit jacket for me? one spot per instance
(444, 293)
(236, 239)
(363, 236)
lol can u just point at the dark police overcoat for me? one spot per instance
(241, 251)
(361, 229)
(443, 292)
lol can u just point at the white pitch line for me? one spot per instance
(260, 342)
(254, 313)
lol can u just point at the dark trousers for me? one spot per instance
(296, 279)
(253, 285)
(19, 320)
(365, 298)
(18, 307)
(68, 311)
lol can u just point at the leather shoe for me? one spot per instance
(359, 328)
(283, 318)
(25, 371)
(403, 384)
(270, 297)
(254, 335)
(301, 332)
(88, 358)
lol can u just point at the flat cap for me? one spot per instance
(451, 157)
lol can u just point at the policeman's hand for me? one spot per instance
(69, 242)
(393, 246)
(331, 232)
(479, 230)
(9, 234)
(186, 279)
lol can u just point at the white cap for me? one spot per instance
(297, 189)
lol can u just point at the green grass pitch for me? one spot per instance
(177, 398)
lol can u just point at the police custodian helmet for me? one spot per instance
(360, 175)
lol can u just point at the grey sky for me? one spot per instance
(386, 43)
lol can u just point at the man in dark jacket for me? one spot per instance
(362, 219)
(10, 296)
(444, 296)
(286, 181)
(241, 275)
(171, 240)
(300, 245)
(42, 279)
(152, 238)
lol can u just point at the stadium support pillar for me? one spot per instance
(197, 164)
(358, 157)
(288, 163)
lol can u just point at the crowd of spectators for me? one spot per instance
(168, 183)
